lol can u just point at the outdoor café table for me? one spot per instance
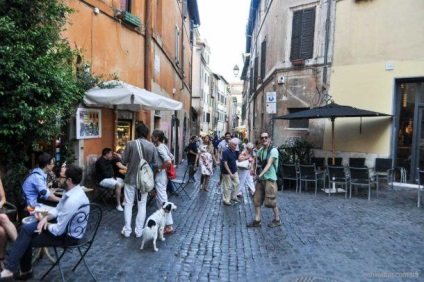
(38, 252)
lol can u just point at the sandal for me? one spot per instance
(254, 223)
(274, 223)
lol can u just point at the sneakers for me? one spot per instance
(138, 234)
(120, 208)
(227, 203)
(274, 223)
(125, 234)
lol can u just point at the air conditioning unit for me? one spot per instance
(281, 79)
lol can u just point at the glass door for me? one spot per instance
(123, 132)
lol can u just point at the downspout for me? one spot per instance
(327, 43)
(147, 46)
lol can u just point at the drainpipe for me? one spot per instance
(147, 46)
(327, 43)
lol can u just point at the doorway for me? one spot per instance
(123, 131)
(409, 152)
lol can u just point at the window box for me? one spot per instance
(131, 19)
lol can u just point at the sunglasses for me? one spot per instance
(264, 137)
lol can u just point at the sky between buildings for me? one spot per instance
(223, 25)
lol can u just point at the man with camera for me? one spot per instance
(266, 186)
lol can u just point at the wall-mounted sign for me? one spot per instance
(271, 102)
(89, 123)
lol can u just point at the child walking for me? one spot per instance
(206, 167)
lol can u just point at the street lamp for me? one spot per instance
(236, 70)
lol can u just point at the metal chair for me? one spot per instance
(309, 173)
(360, 176)
(290, 172)
(92, 217)
(420, 181)
(179, 184)
(357, 162)
(384, 169)
(319, 163)
(337, 176)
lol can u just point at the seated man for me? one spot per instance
(105, 176)
(35, 186)
(43, 233)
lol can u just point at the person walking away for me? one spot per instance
(131, 159)
(191, 155)
(206, 167)
(106, 178)
(266, 186)
(35, 186)
(161, 179)
(45, 233)
(229, 174)
(246, 174)
(7, 228)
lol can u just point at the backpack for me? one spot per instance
(145, 178)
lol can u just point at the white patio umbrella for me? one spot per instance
(119, 93)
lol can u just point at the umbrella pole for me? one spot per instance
(332, 141)
(115, 128)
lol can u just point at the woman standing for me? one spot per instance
(7, 228)
(161, 179)
(209, 148)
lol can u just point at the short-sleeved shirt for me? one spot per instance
(230, 158)
(190, 157)
(271, 174)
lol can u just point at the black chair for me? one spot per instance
(290, 172)
(337, 176)
(319, 163)
(360, 176)
(103, 194)
(309, 173)
(420, 182)
(179, 184)
(384, 169)
(83, 245)
(338, 161)
(357, 162)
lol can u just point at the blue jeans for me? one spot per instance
(21, 252)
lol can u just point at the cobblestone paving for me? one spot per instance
(322, 239)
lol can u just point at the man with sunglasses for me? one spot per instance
(266, 186)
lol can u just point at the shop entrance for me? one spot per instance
(409, 145)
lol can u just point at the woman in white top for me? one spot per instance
(161, 179)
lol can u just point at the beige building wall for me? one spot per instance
(376, 42)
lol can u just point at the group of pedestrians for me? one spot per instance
(242, 164)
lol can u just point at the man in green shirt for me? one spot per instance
(266, 186)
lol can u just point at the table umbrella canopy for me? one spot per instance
(331, 111)
(119, 93)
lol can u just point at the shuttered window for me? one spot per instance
(252, 78)
(298, 123)
(263, 59)
(302, 41)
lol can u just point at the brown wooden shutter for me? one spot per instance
(256, 73)
(302, 43)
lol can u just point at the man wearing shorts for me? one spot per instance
(106, 177)
(266, 186)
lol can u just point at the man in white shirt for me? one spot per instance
(44, 233)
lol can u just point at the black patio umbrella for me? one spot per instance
(332, 111)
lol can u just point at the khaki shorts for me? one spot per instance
(266, 193)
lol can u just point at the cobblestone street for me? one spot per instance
(322, 239)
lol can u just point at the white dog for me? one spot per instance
(156, 223)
